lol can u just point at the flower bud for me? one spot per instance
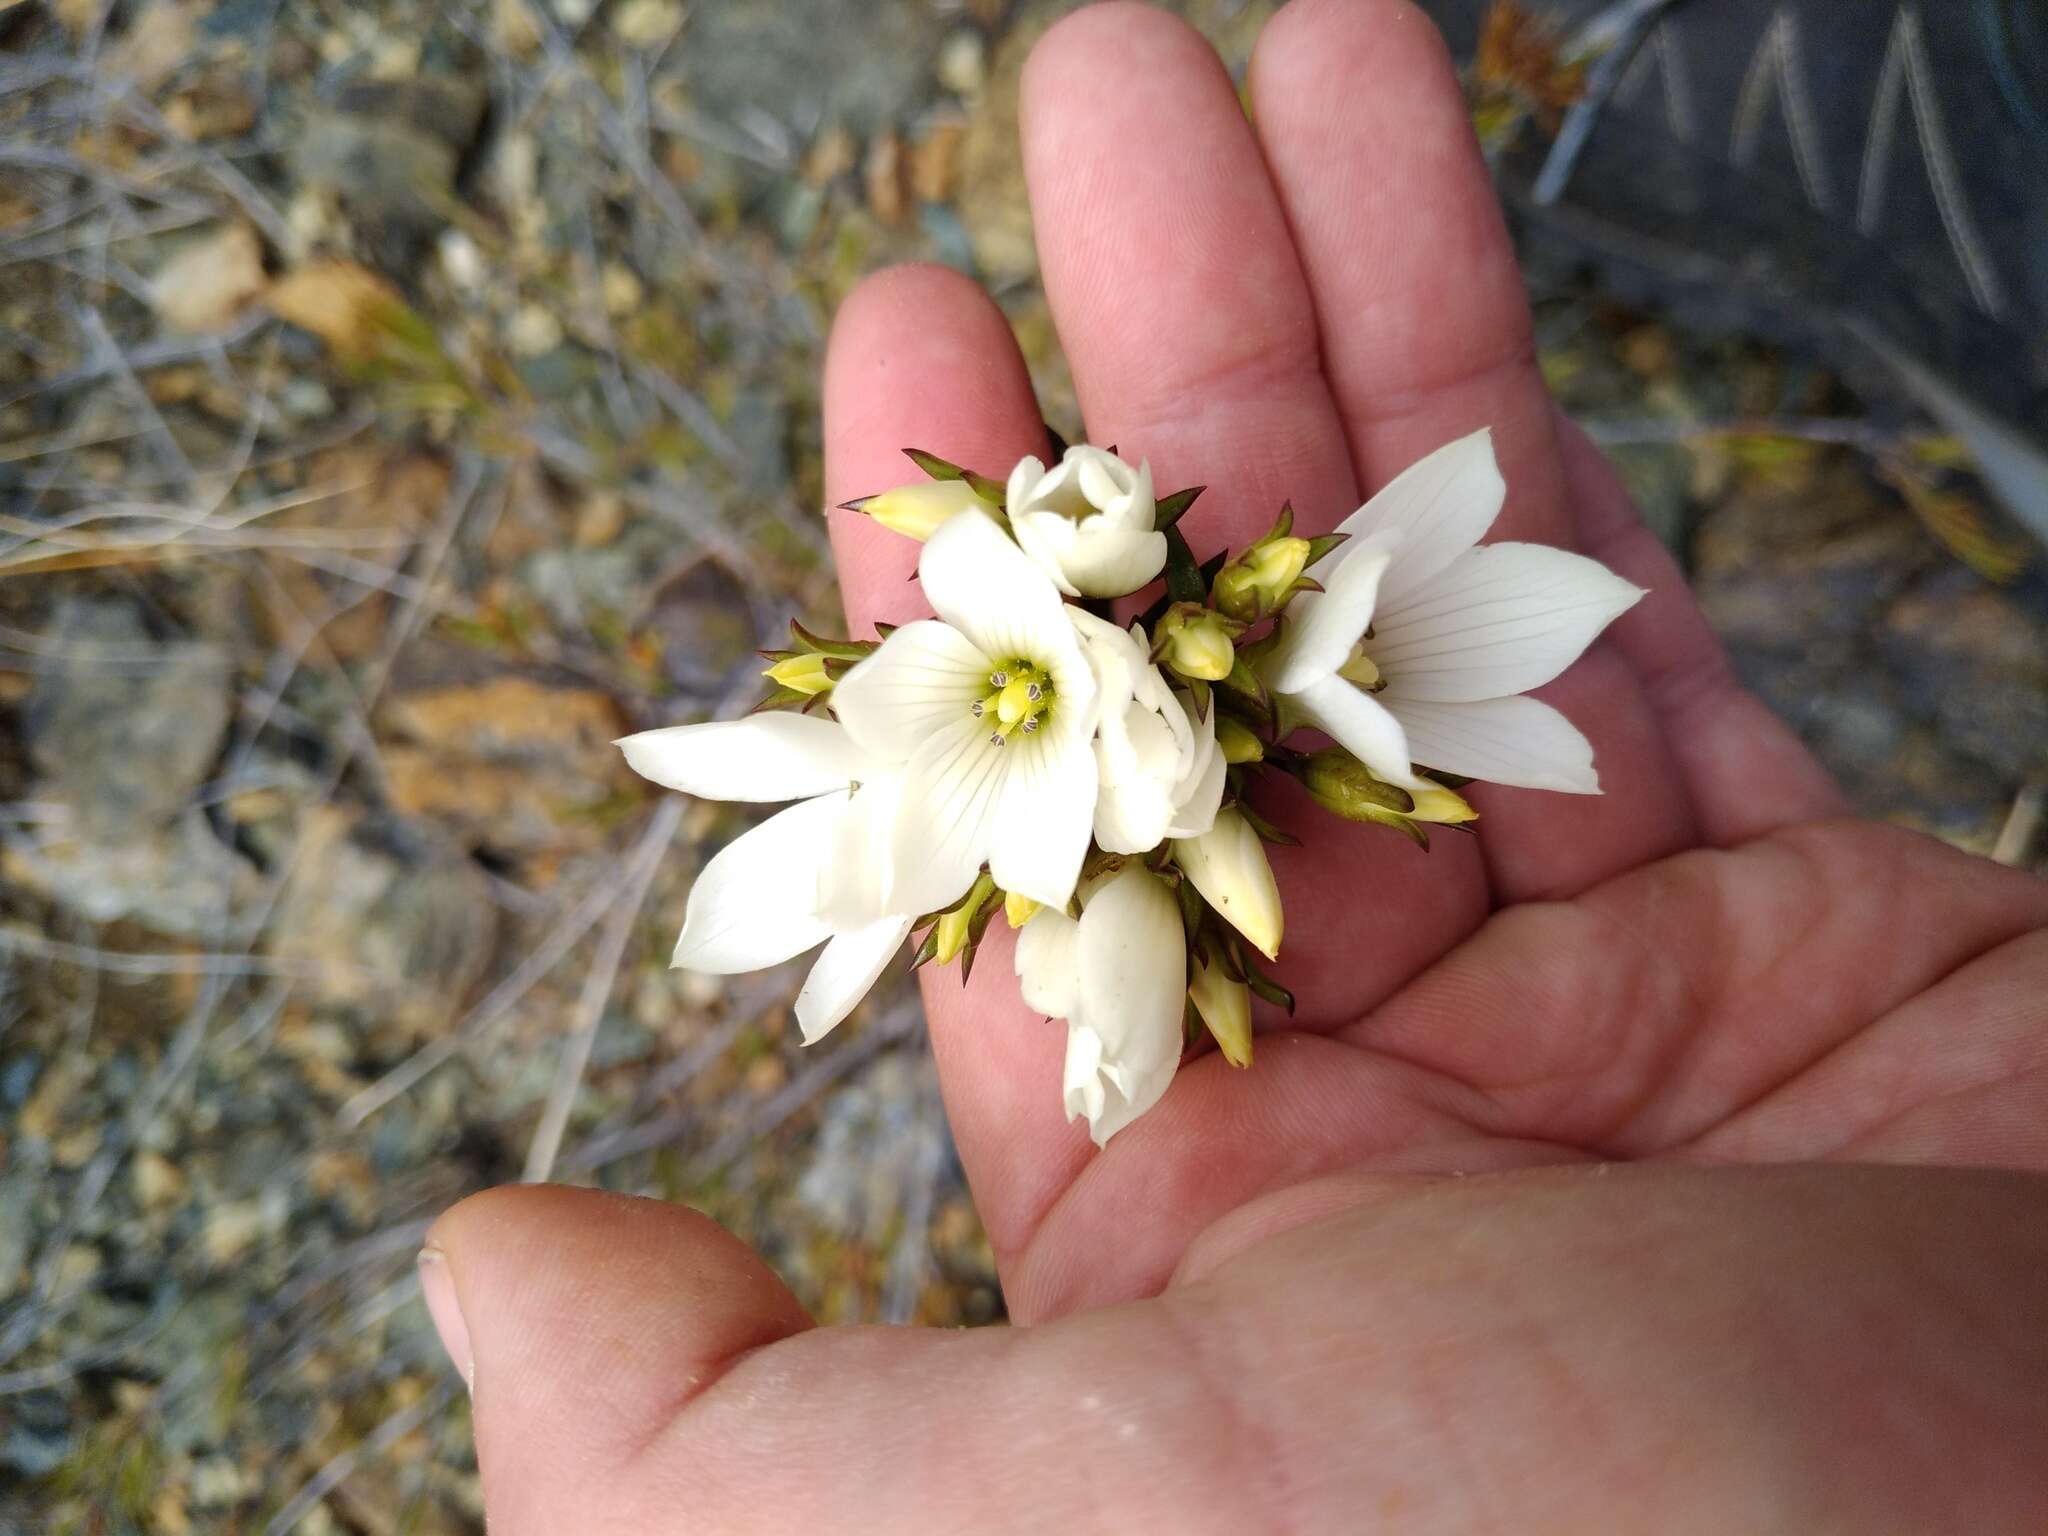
(1259, 580)
(1018, 910)
(804, 674)
(957, 926)
(1341, 783)
(1239, 743)
(1228, 866)
(917, 510)
(1439, 804)
(1197, 642)
(1226, 1007)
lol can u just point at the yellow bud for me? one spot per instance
(806, 674)
(1258, 581)
(1019, 910)
(1228, 866)
(917, 510)
(954, 928)
(1238, 742)
(1198, 642)
(1361, 669)
(1439, 804)
(1226, 1007)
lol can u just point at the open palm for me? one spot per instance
(1698, 966)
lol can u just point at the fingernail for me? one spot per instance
(438, 1286)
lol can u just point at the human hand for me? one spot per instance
(1696, 968)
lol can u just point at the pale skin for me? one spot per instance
(1670, 1160)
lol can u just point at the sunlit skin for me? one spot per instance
(1612, 1173)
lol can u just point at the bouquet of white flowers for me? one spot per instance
(1090, 778)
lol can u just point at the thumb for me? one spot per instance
(637, 1371)
(583, 1323)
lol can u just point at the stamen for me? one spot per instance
(997, 738)
(1031, 725)
(998, 679)
(974, 709)
(1034, 693)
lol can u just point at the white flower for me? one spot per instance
(1087, 521)
(1119, 979)
(817, 873)
(989, 711)
(1160, 769)
(1459, 632)
(1228, 866)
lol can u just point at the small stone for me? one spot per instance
(883, 175)
(75, 1148)
(78, 1263)
(963, 62)
(209, 280)
(647, 23)
(621, 288)
(935, 159)
(534, 330)
(461, 262)
(231, 1229)
(599, 520)
(765, 1074)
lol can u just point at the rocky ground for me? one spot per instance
(398, 402)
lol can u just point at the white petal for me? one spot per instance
(857, 882)
(1041, 826)
(1197, 813)
(1359, 724)
(1081, 1086)
(1048, 973)
(1498, 620)
(1048, 538)
(1438, 507)
(946, 821)
(1027, 473)
(1322, 627)
(774, 756)
(844, 972)
(1518, 741)
(992, 592)
(925, 677)
(1132, 955)
(755, 904)
(1107, 561)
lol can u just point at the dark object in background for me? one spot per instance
(1866, 177)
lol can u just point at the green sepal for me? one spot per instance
(1167, 510)
(977, 925)
(784, 698)
(1245, 683)
(1185, 582)
(1323, 544)
(1268, 833)
(990, 491)
(1265, 987)
(838, 650)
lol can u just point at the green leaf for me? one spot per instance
(1185, 582)
(1168, 509)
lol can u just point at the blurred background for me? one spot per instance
(398, 401)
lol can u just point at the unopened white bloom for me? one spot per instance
(918, 510)
(817, 873)
(1118, 977)
(988, 711)
(1160, 769)
(1459, 632)
(1228, 866)
(1088, 521)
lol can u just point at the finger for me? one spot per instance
(920, 357)
(1425, 337)
(1746, 771)
(583, 1323)
(1181, 306)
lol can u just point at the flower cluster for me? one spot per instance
(1088, 777)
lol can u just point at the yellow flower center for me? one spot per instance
(1020, 698)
